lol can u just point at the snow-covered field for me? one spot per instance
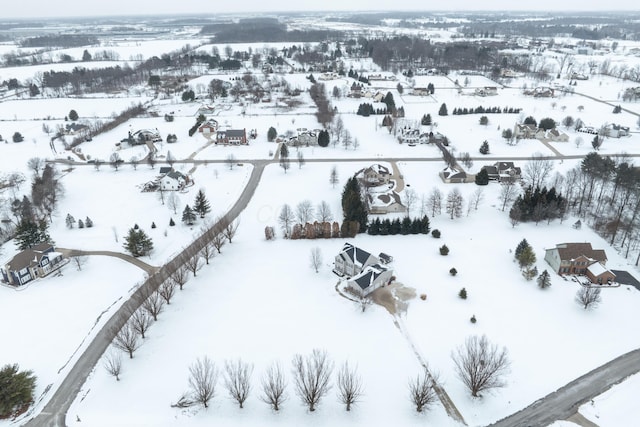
(262, 302)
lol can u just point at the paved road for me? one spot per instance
(54, 412)
(565, 402)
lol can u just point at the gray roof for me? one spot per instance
(354, 254)
(28, 257)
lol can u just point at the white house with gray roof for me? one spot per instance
(364, 271)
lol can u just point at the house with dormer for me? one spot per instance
(231, 137)
(365, 272)
(30, 264)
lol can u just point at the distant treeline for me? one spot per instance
(59, 40)
(264, 30)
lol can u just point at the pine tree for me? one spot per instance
(353, 206)
(482, 177)
(30, 234)
(463, 293)
(523, 244)
(188, 216)
(171, 222)
(88, 222)
(443, 110)
(201, 204)
(138, 243)
(484, 147)
(70, 220)
(544, 280)
(272, 133)
(526, 260)
(80, 223)
(16, 390)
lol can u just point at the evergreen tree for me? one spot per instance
(70, 220)
(80, 223)
(526, 259)
(484, 147)
(405, 226)
(395, 227)
(73, 115)
(443, 110)
(426, 226)
(463, 293)
(138, 243)
(482, 177)
(272, 133)
(374, 227)
(30, 234)
(201, 204)
(426, 120)
(544, 280)
(323, 138)
(88, 222)
(16, 390)
(188, 216)
(523, 244)
(171, 222)
(353, 206)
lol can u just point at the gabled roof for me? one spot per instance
(29, 257)
(369, 276)
(598, 269)
(233, 133)
(569, 251)
(355, 255)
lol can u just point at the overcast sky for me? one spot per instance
(43, 8)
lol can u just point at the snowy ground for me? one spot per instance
(297, 310)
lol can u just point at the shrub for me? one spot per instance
(172, 222)
(444, 250)
(435, 233)
(423, 297)
(17, 137)
(453, 271)
(153, 225)
(473, 319)
(463, 293)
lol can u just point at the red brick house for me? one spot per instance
(580, 259)
(232, 137)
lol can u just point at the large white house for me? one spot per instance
(364, 271)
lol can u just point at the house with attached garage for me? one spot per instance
(32, 263)
(174, 181)
(208, 128)
(579, 259)
(365, 272)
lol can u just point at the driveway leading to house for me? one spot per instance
(71, 253)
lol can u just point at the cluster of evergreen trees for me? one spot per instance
(538, 205)
(201, 206)
(71, 221)
(487, 110)
(366, 110)
(397, 226)
(137, 242)
(354, 75)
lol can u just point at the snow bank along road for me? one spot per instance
(565, 402)
(54, 412)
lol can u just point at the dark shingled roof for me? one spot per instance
(569, 251)
(26, 257)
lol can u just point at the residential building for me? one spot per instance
(232, 137)
(30, 264)
(580, 259)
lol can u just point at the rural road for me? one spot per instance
(559, 405)
(565, 402)
(54, 412)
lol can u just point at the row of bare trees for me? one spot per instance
(149, 305)
(480, 365)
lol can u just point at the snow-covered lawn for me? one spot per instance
(280, 307)
(616, 407)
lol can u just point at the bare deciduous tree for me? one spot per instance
(273, 386)
(323, 212)
(349, 385)
(194, 264)
(80, 261)
(207, 252)
(35, 164)
(410, 199)
(537, 170)
(454, 204)
(237, 380)
(588, 297)
(311, 376)
(286, 219)
(153, 304)
(422, 392)
(140, 321)
(173, 202)
(304, 212)
(167, 289)
(231, 161)
(333, 178)
(477, 197)
(480, 364)
(508, 192)
(180, 276)
(230, 230)
(315, 258)
(218, 242)
(113, 364)
(126, 339)
(434, 202)
(203, 377)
